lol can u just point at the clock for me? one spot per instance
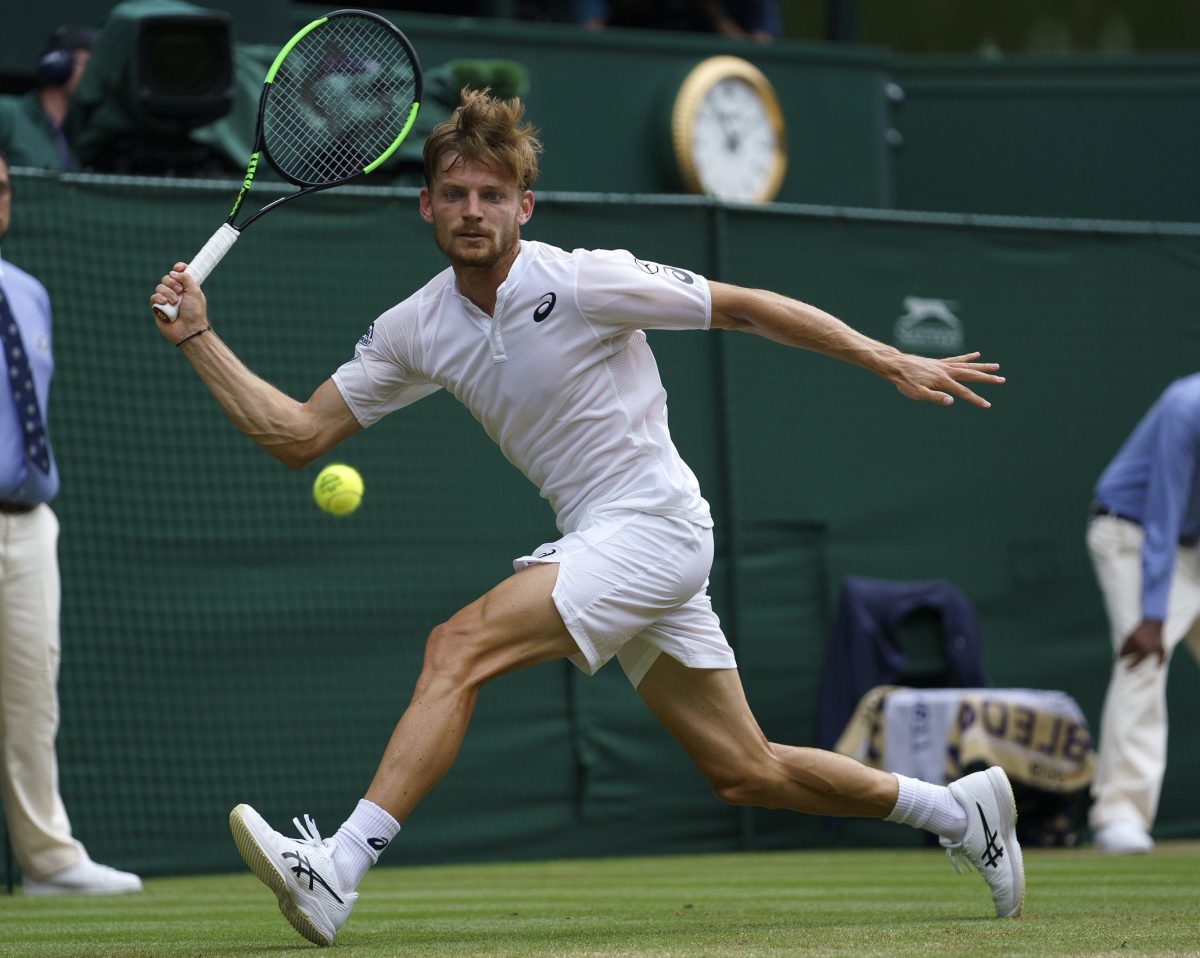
(728, 133)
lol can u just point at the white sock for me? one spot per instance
(931, 807)
(360, 840)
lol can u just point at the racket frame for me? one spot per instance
(223, 239)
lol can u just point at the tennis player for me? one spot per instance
(628, 577)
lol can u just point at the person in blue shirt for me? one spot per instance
(1143, 540)
(52, 861)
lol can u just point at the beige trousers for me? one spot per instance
(1133, 727)
(38, 827)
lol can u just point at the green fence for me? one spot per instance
(224, 641)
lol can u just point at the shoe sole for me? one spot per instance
(1002, 790)
(37, 890)
(266, 872)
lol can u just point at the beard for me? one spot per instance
(481, 253)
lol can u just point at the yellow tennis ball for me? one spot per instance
(338, 489)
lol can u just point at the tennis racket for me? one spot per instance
(340, 97)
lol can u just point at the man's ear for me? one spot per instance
(526, 211)
(425, 205)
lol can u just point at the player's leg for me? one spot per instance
(706, 712)
(514, 625)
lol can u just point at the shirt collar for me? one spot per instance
(517, 270)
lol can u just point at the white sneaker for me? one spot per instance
(299, 870)
(1123, 836)
(84, 878)
(990, 843)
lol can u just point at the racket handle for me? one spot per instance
(202, 264)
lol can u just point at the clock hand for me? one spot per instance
(732, 140)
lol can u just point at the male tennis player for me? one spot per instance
(628, 577)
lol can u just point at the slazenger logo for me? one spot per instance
(545, 307)
(929, 326)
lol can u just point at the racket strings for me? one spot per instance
(339, 100)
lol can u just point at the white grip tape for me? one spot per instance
(204, 262)
(220, 243)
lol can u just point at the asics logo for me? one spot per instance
(379, 844)
(302, 870)
(992, 852)
(545, 307)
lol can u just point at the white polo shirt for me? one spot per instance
(561, 377)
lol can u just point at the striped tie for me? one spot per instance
(20, 381)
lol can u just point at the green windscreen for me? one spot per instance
(224, 641)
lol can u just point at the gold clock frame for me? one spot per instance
(702, 78)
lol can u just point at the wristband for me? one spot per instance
(192, 336)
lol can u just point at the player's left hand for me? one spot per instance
(940, 380)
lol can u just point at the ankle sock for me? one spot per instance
(360, 841)
(930, 807)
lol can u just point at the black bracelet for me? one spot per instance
(192, 336)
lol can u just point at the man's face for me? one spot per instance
(79, 62)
(477, 213)
(5, 198)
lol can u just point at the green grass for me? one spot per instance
(888, 903)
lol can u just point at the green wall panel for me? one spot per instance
(1103, 138)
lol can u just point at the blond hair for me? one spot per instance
(485, 130)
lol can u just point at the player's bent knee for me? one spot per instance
(749, 787)
(451, 656)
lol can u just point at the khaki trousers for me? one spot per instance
(38, 827)
(1133, 727)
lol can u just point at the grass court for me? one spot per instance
(762, 904)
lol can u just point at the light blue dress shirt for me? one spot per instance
(1155, 480)
(20, 480)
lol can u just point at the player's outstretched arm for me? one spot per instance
(793, 323)
(293, 432)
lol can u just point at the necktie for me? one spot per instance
(20, 381)
(60, 144)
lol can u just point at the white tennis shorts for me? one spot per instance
(633, 585)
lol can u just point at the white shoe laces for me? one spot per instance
(308, 831)
(958, 859)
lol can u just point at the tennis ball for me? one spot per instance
(338, 489)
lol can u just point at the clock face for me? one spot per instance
(735, 145)
(728, 133)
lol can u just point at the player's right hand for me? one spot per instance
(179, 287)
(940, 380)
